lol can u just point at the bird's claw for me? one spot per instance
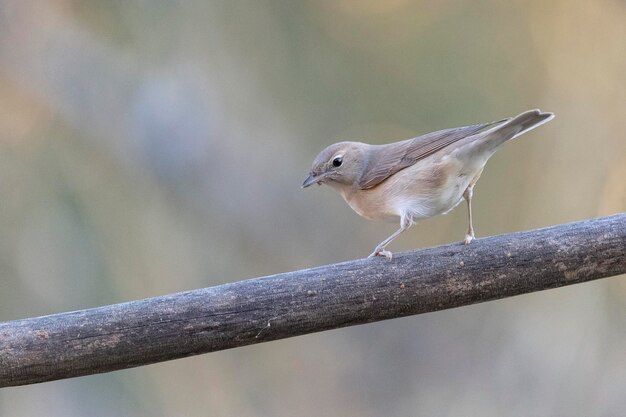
(468, 238)
(382, 252)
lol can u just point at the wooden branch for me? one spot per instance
(312, 300)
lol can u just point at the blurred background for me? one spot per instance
(150, 147)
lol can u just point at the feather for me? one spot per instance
(393, 157)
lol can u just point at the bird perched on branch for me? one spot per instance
(416, 178)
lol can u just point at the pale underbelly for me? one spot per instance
(422, 208)
(417, 205)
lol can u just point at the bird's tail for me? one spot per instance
(516, 126)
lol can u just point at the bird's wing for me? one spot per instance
(391, 158)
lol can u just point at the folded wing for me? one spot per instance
(394, 157)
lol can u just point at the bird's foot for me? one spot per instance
(382, 252)
(468, 238)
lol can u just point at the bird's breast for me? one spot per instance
(373, 204)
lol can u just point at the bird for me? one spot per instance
(416, 178)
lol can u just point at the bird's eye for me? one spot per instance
(337, 161)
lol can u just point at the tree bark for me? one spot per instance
(285, 305)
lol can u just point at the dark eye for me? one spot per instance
(337, 161)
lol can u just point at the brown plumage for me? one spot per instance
(416, 178)
(392, 157)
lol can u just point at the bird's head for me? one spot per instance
(340, 164)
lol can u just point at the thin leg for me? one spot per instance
(405, 223)
(467, 195)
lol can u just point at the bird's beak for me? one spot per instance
(312, 179)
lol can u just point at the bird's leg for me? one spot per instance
(405, 223)
(467, 195)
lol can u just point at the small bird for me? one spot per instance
(416, 178)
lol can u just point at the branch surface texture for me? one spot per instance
(312, 300)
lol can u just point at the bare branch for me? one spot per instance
(312, 300)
